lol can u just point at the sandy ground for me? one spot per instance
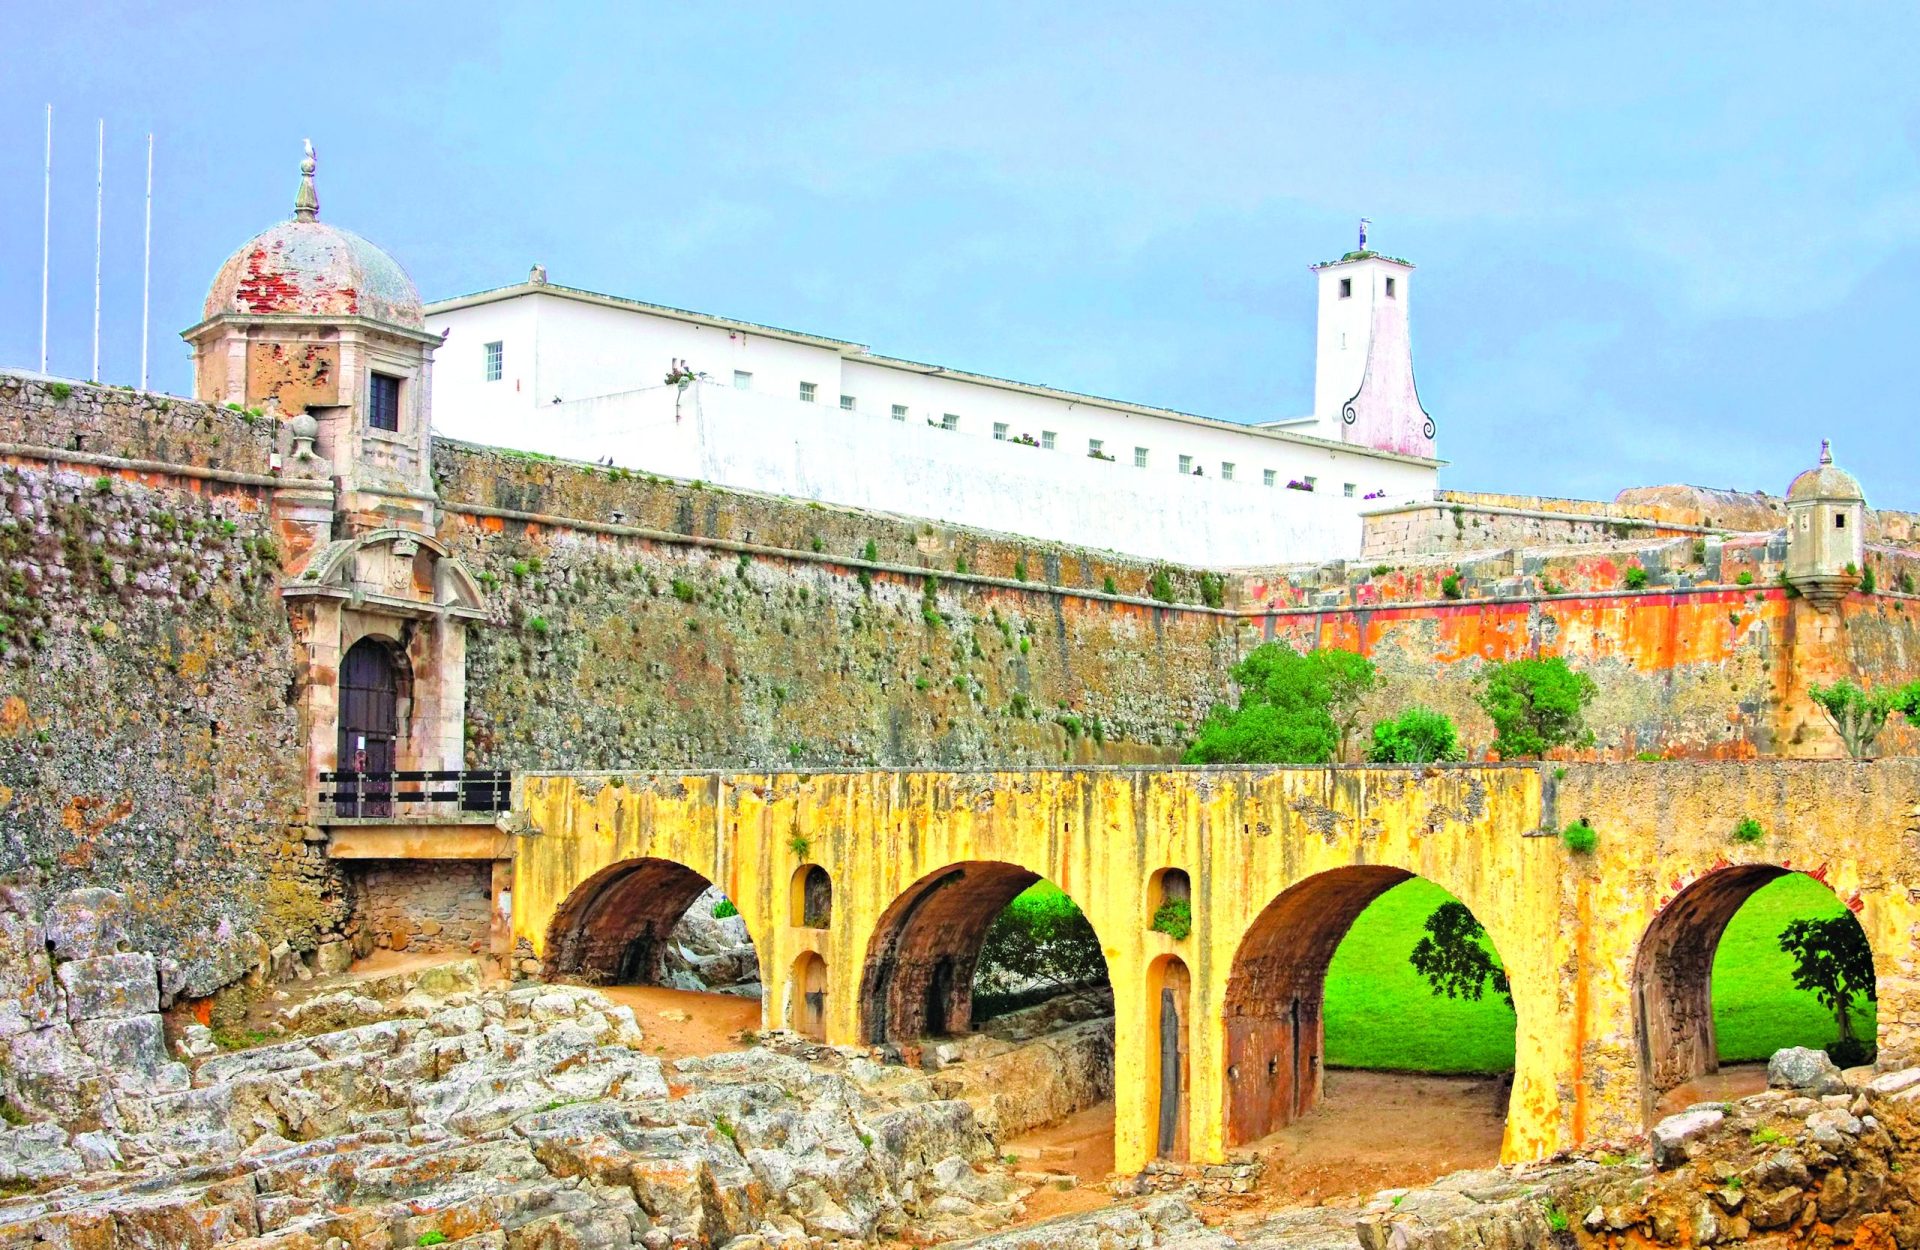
(1736, 1080)
(712, 1022)
(1079, 1149)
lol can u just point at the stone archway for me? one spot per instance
(613, 927)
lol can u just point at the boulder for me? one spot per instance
(1673, 1137)
(26, 974)
(36, 1152)
(1804, 1070)
(110, 987)
(132, 1052)
(88, 924)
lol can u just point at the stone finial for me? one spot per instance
(306, 201)
(537, 276)
(1826, 451)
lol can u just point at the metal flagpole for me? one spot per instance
(46, 229)
(99, 200)
(146, 267)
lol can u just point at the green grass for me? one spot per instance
(1380, 1013)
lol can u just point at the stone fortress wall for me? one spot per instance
(149, 737)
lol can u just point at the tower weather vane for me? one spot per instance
(1364, 223)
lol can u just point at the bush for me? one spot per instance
(1161, 586)
(1039, 939)
(1175, 919)
(1450, 586)
(724, 908)
(1294, 708)
(1868, 583)
(1745, 578)
(1579, 837)
(1536, 705)
(1417, 736)
(1748, 830)
(1635, 578)
(1109, 586)
(1213, 589)
(871, 551)
(1020, 569)
(683, 590)
(1859, 715)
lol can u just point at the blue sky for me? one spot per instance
(1652, 247)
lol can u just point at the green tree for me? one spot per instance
(1536, 705)
(1859, 715)
(1294, 708)
(1455, 957)
(1039, 940)
(1417, 736)
(1833, 962)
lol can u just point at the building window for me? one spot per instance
(1000, 431)
(496, 353)
(1839, 520)
(1346, 288)
(1139, 457)
(1311, 481)
(1269, 477)
(847, 403)
(807, 391)
(742, 380)
(1186, 464)
(1226, 470)
(1097, 447)
(950, 421)
(1390, 288)
(1347, 490)
(1046, 440)
(899, 412)
(383, 403)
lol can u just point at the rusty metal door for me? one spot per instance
(369, 727)
(1170, 1109)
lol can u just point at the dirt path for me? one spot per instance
(682, 1023)
(1078, 1149)
(1736, 1080)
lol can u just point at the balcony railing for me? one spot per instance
(472, 793)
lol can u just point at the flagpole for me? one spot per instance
(146, 267)
(99, 202)
(46, 231)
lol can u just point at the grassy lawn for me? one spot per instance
(1380, 1013)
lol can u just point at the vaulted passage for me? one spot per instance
(613, 928)
(1679, 1008)
(918, 979)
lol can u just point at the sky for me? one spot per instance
(1653, 246)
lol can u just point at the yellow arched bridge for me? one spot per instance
(867, 894)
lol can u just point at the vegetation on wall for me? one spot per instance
(1293, 709)
(1417, 736)
(1535, 706)
(1858, 715)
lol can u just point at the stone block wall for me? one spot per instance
(132, 425)
(422, 906)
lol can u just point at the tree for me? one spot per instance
(1833, 961)
(1536, 705)
(1294, 708)
(1417, 736)
(1859, 715)
(1454, 956)
(1039, 940)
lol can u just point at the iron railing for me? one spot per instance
(417, 792)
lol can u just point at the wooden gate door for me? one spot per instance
(369, 726)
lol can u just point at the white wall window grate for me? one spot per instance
(496, 361)
(899, 412)
(848, 403)
(807, 392)
(1139, 457)
(1269, 477)
(1226, 470)
(950, 421)
(1186, 464)
(1046, 440)
(742, 380)
(1000, 431)
(1347, 490)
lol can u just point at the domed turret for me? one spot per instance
(1826, 531)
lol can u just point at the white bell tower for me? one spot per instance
(1363, 390)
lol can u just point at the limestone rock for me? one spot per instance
(36, 1152)
(87, 924)
(1672, 1136)
(110, 986)
(1802, 1069)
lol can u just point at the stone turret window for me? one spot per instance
(383, 403)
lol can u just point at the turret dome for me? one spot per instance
(1825, 480)
(307, 268)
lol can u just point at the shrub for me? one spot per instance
(724, 908)
(1579, 837)
(1020, 569)
(1417, 736)
(1859, 715)
(1109, 586)
(1174, 918)
(960, 565)
(683, 590)
(1905, 582)
(1213, 589)
(1748, 830)
(433, 1237)
(1649, 757)
(1039, 939)
(1161, 586)
(1450, 586)
(1868, 583)
(1381, 570)
(103, 485)
(1745, 578)
(871, 551)
(817, 544)
(538, 624)
(60, 390)
(1536, 705)
(1635, 578)
(800, 844)
(519, 568)
(1294, 708)
(1699, 551)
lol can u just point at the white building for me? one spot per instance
(578, 374)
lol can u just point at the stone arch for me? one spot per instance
(1673, 1025)
(807, 1010)
(811, 898)
(1169, 1055)
(1276, 993)
(918, 977)
(613, 927)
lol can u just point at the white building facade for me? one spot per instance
(573, 373)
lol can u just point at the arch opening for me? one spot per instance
(375, 696)
(1326, 977)
(652, 922)
(1713, 984)
(812, 898)
(807, 1009)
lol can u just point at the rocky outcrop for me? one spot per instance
(709, 952)
(530, 1117)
